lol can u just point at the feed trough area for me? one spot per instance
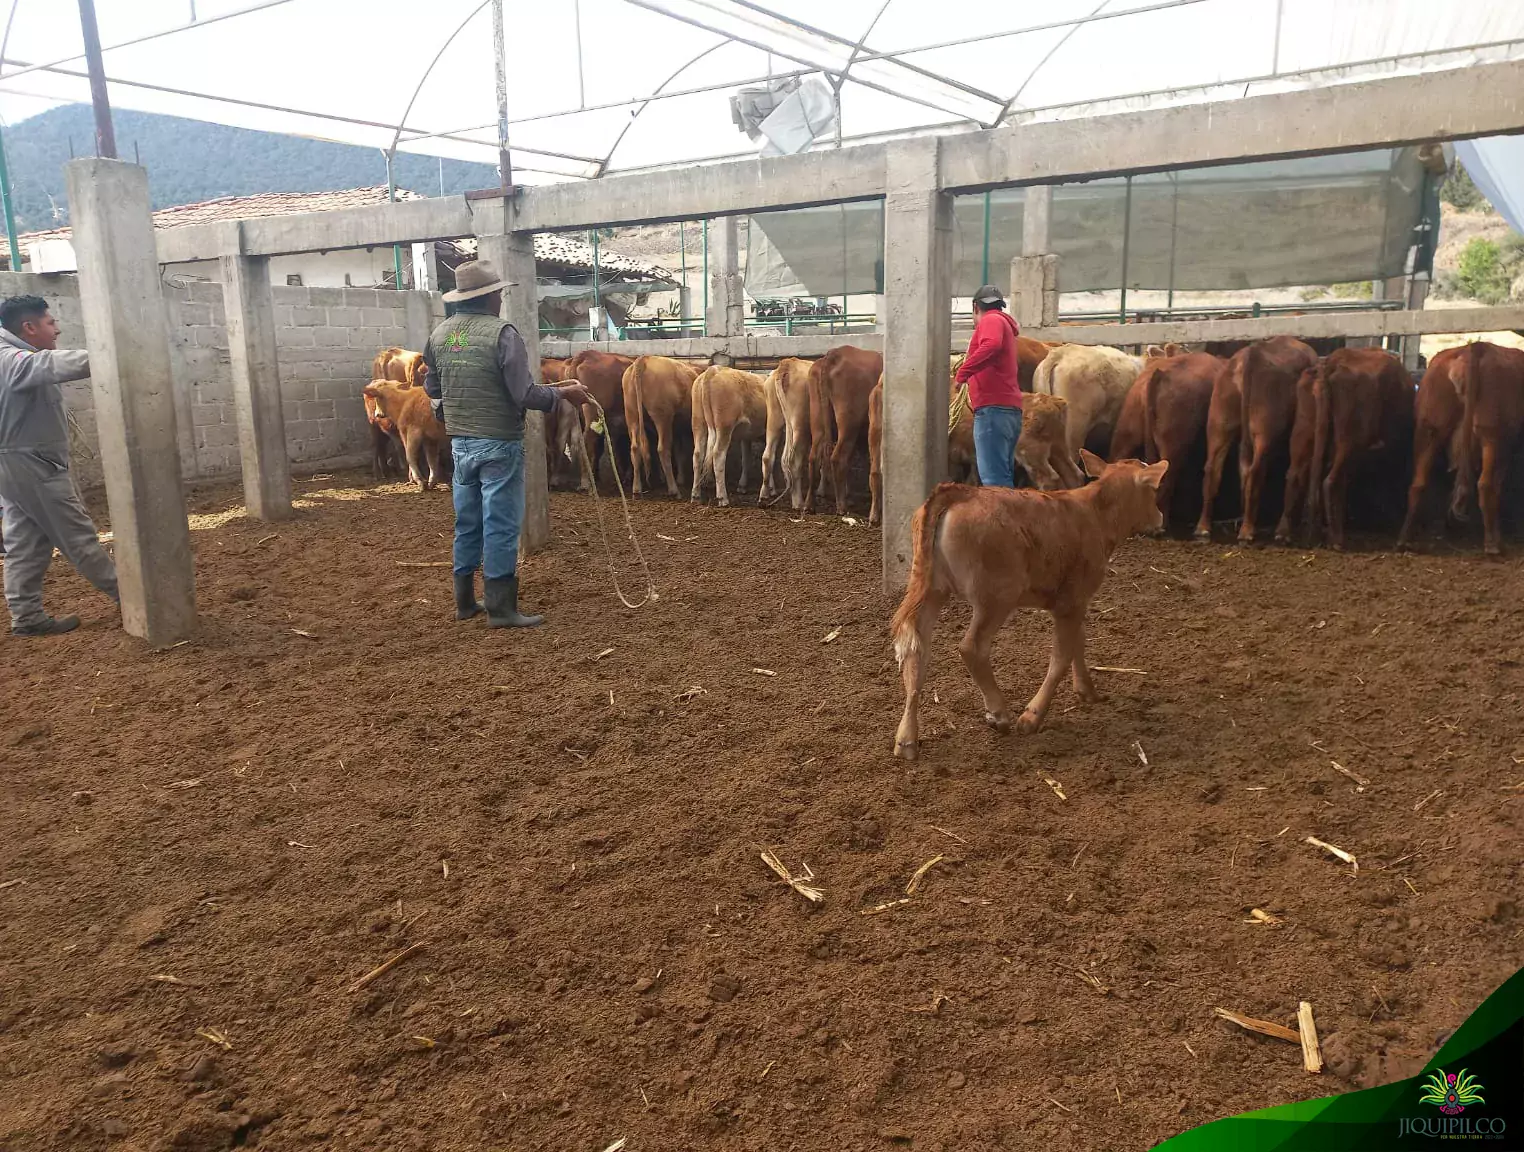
(342, 870)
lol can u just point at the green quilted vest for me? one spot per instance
(475, 401)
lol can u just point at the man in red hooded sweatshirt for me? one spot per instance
(994, 391)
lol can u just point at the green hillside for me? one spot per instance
(191, 160)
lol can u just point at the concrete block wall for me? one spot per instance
(326, 337)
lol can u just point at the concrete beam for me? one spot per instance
(250, 307)
(764, 347)
(1310, 326)
(1034, 290)
(1485, 100)
(128, 338)
(694, 193)
(375, 226)
(512, 254)
(918, 258)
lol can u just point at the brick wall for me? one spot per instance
(326, 339)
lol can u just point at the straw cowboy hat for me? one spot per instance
(475, 278)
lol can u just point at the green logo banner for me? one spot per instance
(1471, 1092)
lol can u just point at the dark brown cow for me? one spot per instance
(1127, 437)
(1362, 409)
(841, 382)
(1492, 392)
(1254, 406)
(1176, 396)
(602, 373)
(1437, 419)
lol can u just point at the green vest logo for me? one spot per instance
(456, 340)
(1452, 1092)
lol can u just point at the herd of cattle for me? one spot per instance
(1348, 417)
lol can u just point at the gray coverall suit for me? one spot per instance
(42, 507)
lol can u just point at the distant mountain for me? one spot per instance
(191, 160)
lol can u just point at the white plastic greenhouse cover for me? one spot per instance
(581, 72)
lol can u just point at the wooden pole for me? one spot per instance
(105, 134)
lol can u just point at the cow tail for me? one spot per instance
(1250, 368)
(905, 627)
(1468, 378)
(1322, 430)
(1149, 385)
(635, 416)
(378, 365)
(1042, 379)
(820, 425)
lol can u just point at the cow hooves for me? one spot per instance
(910, 750)
(1203, 534)
(1030, 722)
(1001, 723)
(1492, 550)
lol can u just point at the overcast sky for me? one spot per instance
(364, 58)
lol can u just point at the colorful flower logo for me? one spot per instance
(456, 340)
(1451, 1092)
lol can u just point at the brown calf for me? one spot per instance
(422, 435)
(1176, 396)
(1437, 411)
(407, 368)
(1029, 354)
(1362, 408)
(602, 373)
(726, 402)
(659, 389)
(1043, 446)
(788, 430)
(1492, 392)
(1254, 406)
(1001, 549)
(841, 383)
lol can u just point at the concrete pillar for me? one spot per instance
(1034, 274)
(425, 267)
(1034, 291)
(512, 254)
(418, 318)
(128, 339)
(250, 307)
(918, 256)
(1037, 221)
(727, 297)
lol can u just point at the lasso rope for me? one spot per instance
(958, 409)
(602, 425)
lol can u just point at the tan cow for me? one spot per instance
(1001, 549)
(423, 437)
(788, 430)
(726, 403)
(659, 389)
(841, 383)
(1093, 380)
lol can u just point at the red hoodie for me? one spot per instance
(989, 369)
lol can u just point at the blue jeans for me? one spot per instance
(996, 430)
(489, 504)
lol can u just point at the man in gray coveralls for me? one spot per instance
(42, 507)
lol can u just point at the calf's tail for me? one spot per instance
(1468, 378)
(1150, 386)
(635, 416)
(1322, 386)
(1251, 369)
(928, 518)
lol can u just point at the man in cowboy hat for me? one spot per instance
(994, 391)
(478, 373)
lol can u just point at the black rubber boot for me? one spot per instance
(48, 626)
(466, 603)
(503, 605)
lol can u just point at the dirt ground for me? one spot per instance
(204, 848)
